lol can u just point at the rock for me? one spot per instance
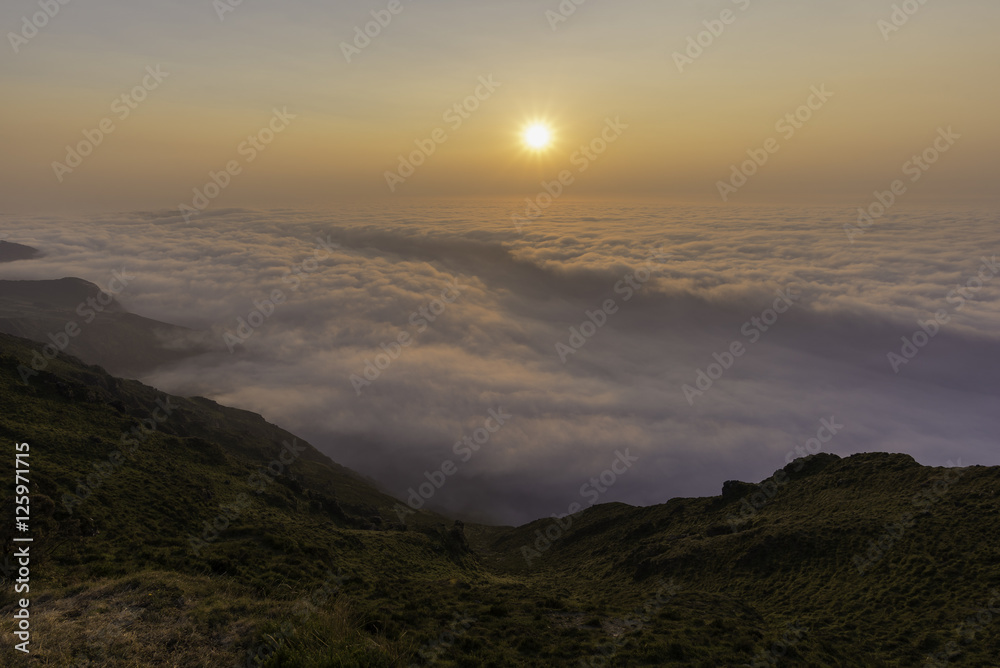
(737, 488)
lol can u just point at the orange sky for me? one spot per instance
(222, 79)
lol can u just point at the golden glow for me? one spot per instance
(684, 132)
(538, 136)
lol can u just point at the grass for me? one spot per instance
(313, 569)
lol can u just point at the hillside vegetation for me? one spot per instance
(177, 532)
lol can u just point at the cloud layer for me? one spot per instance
(481, 308)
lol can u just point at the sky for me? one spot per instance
(224, 69)
(798, 198)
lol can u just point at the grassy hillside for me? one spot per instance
(305, 563)
(877, 560)
(124, 480)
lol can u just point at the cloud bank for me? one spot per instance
(421, 344)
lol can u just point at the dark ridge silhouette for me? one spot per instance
(10, 252)
(74, 316)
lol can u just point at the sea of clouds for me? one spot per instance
(487, 313)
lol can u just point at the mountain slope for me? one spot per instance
(78, 318)
(124, 479)
(876, 558)
(305, 563)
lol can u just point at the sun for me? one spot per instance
(538, 136)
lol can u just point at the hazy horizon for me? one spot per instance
(541, 152)
(601, 319)
(174, 115)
